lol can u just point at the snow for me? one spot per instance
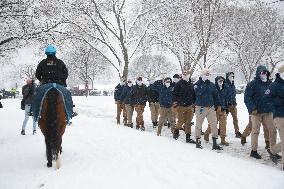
(97, 153)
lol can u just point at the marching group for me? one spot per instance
(174, 102)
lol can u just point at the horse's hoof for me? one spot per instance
(49, 164)
(58, 162)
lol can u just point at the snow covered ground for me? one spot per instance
(97, 153)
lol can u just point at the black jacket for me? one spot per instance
(139, 94)
(153, 96)
(52, 70)
(184, 93)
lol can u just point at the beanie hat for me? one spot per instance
(176, 76)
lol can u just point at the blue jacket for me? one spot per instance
(206, 94)
(117, 92)
(165, 94)
(276, 97)
(255, 94)
(231, 90)
(184, 93)
(153, 95)
(223, 94)
(139, 94)
(125, 95)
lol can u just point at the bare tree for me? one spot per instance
(255, 36)
(108, 28)
(188, 29)
(151, 67)
(86, 64)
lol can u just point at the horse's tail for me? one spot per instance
(52, 123)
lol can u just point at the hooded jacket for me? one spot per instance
(184, 93)
(206, 94)
(255, 93)
(276, 97)
(223, 94)
(231, 90)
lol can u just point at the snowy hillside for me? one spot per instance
(97, 153)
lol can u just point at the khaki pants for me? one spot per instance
(248, 129)
(266, 120)
(175, 113)
(279, 124)
(205, 112)
(222, 120)
(129, 110)
(165, 114)
(140, 110)
(120, 106)
(184, 116)
(233, 110)
(154, 108)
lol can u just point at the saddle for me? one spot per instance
(40, 94)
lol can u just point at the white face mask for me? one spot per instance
(122, 83)
(263, 78)
(129, 84)
(186, 77)
(281, 75)
(139, 82)
(231, 78)
(168, 84)
(176, 80)
(205, 77)
(220, 85)
(151, 82)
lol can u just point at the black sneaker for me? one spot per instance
(34, 132)
(238, 135)
(23, 132)
(255, 155)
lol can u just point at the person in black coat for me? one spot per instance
(51, 69)
(28, 92)
(184, 98)
(139, 99)
(230, 85)
(153, 99)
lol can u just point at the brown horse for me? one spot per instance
(52, 123)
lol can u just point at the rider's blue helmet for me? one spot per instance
(50, 50)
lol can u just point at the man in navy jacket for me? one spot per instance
(207, 105)
(224, 96)
(166, 101)
(119, 103)
(259, 107)
(276, 97)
